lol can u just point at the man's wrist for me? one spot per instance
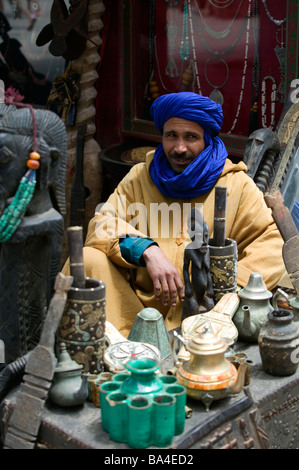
(147, 252)
(132, 249)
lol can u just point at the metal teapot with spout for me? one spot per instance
(253, 309)
(208, 375)
(69, 386)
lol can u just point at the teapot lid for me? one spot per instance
(66, 364)
(206, 342)
(255, 289)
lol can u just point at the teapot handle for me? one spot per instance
(279, 292)
(181, 355)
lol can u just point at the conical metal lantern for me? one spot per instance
(149, 327)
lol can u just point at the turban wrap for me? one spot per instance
(203, 172)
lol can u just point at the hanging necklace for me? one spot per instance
(218, 34)
(171, 68)
(151, 91)
(223, 4)
(230, 48)
(171, 30)
(216, 94)
(277, 22)
(151, 37)
(273, 102)
(185, 43)
(244, 69)
(13, 214)
(160, 75)
(279, 50)
(256, 70)
(174, 3)
(196, 73)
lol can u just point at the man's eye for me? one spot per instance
(171, 135)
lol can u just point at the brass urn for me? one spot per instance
(208, 375)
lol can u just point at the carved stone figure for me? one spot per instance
(30, 258)
(198, 281)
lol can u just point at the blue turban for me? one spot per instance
(190, 106)
(203, 172)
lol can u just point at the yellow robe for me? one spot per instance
(129, 288)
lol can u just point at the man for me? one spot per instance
(136, 242)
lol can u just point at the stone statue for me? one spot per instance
(31, 257)
(196, 270)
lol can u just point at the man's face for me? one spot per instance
(182, 142)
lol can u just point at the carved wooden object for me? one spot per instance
(25, 420)
(289, 232)
(86, 66)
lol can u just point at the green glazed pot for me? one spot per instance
(142, 408)
(143, 379)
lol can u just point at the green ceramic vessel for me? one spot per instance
(141, 407)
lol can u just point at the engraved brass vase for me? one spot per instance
(223, 267)
(82, 327)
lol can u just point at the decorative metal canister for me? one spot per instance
(223, 251)
(223, 267)
(278, 343)
(82, 327)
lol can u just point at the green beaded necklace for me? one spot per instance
(13, 214)
(185, 43)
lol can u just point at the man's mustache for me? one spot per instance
(180, 156)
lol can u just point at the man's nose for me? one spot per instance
(180, 146)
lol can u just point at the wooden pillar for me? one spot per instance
(86, 67)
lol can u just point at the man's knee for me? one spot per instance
(94, 262)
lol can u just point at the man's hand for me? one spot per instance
(165, 277)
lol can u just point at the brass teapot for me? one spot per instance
(208, 375)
